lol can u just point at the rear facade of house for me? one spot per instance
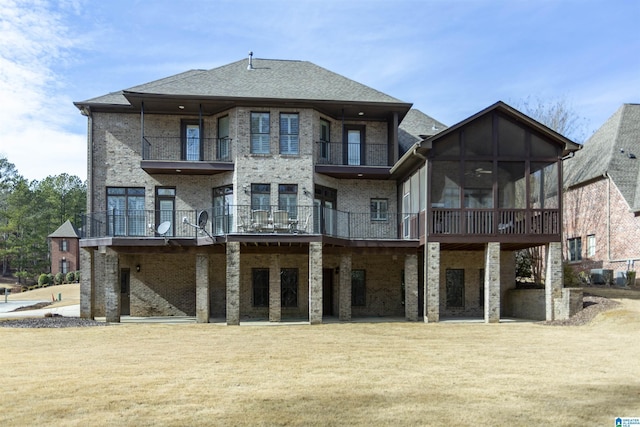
(269, 189)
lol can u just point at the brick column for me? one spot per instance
(315, 283)
(87, 289)
(111, 286)
(432, 282)
(202, 288)
(275, 290)
(492, 283)
(411, 287)
(233, 283)
(553, 281)
(344, 291)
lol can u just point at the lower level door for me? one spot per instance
(125, 291)
(327, 291)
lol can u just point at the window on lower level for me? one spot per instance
(289, 287)
(575, 249)
(358, 288)
(379, 209)
(260, 283)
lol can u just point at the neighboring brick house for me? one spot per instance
(64, 247)
(602, 199)
(280, 190)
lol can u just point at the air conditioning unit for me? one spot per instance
(601, 276)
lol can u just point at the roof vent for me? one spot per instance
(250, 66)
(632, 156)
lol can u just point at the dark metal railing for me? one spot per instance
(492, 222)
(190, 149)
(339, 153)
(233, 219)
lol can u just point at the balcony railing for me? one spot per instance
(190, 149)
(493, 222)
(339, 153)
(230, 219)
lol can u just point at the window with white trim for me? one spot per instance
(260, 133)
(591, 245)
(289, 129)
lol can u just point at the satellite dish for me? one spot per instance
(203, 217)
(164, 227)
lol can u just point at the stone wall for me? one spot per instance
(530, 304)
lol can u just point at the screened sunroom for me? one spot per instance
(493, 177)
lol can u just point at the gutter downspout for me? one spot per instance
(90, 162)
(142, 147)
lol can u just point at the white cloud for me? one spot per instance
(33, 114)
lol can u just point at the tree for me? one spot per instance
(559, 116)
(29, 212)
(8, 177)
(65, 197)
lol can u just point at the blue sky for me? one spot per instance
(449, 58)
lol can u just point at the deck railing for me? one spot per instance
(190, 149)
(339, 153)
(234, 219)
(491, 222)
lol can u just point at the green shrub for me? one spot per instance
(71, 277)
(43, 279)
(58, 279)
(78, 276)
(571, 277)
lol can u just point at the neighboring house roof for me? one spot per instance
(66, 230)
(415, 127)
(613, 150)
(268, 79)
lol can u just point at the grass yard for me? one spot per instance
(382, 374)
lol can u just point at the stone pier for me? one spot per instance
(233, 283)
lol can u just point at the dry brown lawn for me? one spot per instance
(376, 374)
(70, 294)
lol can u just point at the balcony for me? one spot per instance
(490, 222)
(343, 160)
(268, 220)
(192, 156)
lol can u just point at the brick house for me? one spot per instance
(602, 200)
(280, 190)
(64, 249)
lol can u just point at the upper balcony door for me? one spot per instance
(191, 140)
(324, 204)
(165, 208)
(354, 145)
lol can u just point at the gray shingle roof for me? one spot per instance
(608, 151)
(415, 127)
(273, 79)
(65, 230)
